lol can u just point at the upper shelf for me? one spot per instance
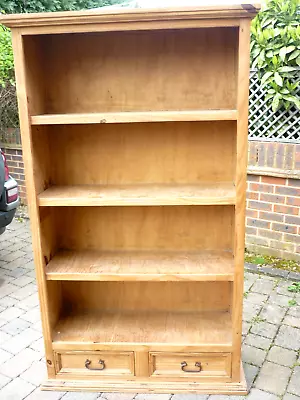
(207, 193)
(128, 117)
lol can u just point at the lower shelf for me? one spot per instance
(211, 330)
(91, 265)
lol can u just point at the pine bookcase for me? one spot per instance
(134, 133)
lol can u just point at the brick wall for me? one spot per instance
(15, 164)
(273, 199)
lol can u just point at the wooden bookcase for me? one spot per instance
(134, 133)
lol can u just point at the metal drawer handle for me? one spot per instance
(89, 362)
(184, 365)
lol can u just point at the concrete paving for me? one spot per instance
(271, 333)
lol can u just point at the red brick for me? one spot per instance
(256, 223)
(253, 178)
(270, 234)
(258, 187)
(287, 190)
(271, 216)
(251, 231)
(252, 213)
(258, 205)
(273, 180)
(298, 249)
(294, 182)
(9, 151)
(290, 219)
(293, 201)
(292, 238)
(286, 210)
(272, 198)
(282, 245)
(252, 195)
(284, 228)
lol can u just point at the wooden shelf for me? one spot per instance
(139, 195)
(92, 265)
(128, 117)
(208, 329)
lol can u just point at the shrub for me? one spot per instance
(25, 6)
(275, 50)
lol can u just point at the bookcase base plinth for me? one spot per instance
(147, 386)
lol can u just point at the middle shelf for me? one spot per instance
(92, 265)
(208, 193)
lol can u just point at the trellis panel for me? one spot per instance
(266, 125)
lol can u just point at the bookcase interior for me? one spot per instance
(97, 72)
(182, 153)
(134, 127)
(143, 312)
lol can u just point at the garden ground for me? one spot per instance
(271, 333)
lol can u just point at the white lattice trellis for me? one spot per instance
(264, 124)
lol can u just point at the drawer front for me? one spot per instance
(193, 365)
(101, 363)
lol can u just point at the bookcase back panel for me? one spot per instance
(138, 70)
(178, 228)
(146, 296)
(183, 153)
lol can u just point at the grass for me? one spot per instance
(274, 262)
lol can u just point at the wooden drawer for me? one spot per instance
(192, 365)
(102, 363)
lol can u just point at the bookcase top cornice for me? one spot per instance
(130, 15)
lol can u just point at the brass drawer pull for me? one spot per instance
(89, 362)
(197, 364)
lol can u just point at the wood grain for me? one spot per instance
(23, 83)
(179, 228)
(148, 71)
(134, 16)
(164, 364)
(139, 195)
(210, 328)
(182, 296)
(241, 184)
(133, 117)
(146, 109)
(140, 266)
(154, 153)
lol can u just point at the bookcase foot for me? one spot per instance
(143, 386)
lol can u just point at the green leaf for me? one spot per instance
(292, 303)
(276, 102)
(282, 53)
(297, 103)
(298, 61)
(286, 69)
(275, 61)
(278, 79)
(289, 49)
(255, 52)
(266, 76)
(294, 55)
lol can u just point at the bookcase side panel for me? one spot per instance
(241, 176)
(23, 82)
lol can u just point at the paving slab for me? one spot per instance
(282, 356)
(273, 378)
(270, 328)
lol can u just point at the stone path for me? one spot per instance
(271, 334)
